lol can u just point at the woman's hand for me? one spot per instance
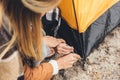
(63, 48)
(57, 45)
(67, 61)
(52, 42)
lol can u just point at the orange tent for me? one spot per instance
(81, 13)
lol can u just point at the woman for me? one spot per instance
(23, 17)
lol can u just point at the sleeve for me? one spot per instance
(51, 22)
(42, 72)
(4, 39)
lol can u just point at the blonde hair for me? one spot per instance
(24, 16)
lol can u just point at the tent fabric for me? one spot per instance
(79, 14)
(86, 42)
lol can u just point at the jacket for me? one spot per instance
(41, 72)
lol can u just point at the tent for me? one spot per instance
(81, 13)
(85, 23)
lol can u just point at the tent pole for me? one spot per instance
(79, 34)
(80, 37)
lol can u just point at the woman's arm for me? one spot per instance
(42, 72)
(45, 70)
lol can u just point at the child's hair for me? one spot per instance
(24, 18)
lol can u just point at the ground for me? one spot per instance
(102, 64)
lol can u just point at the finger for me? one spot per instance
(61, 41)
(64, 51)
(72, 62)
(76, 56)
(52, 50)
(64, 46)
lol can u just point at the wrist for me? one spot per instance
(59, 64)
(55, 66)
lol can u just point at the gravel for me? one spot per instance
(102, 64)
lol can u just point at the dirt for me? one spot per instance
(102, 64)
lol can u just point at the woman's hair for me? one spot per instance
(24, 18)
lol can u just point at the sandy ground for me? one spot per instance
(102, 64)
